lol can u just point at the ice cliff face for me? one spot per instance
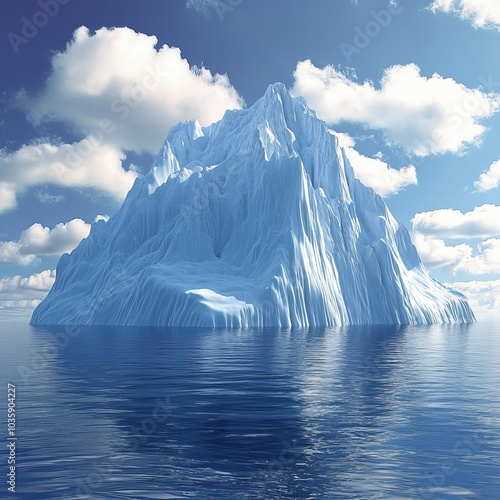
(254, 221)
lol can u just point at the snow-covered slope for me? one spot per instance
(254, 221)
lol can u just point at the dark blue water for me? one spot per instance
(363, 412)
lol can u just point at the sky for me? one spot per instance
(89, 91)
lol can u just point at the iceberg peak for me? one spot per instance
(276, 91)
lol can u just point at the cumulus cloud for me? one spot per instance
(484, 296)
(432, 229)
(490, 179)
(11, 252)
(481, 222)
(424, 115)
(434, 252)
(374, 172)
(84, 164)
(116, 85)
(21, 295)
(18, 306)
(481, 13)
(377, 174)
(39, 282)
(38, 240)
(484, 258)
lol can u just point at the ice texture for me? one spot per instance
(254, 221)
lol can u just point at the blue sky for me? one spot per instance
(90, 90)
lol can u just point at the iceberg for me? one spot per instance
(255, 221)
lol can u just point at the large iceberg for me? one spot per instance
(254, 221)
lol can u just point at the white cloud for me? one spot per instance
(114, 84)
(38, 240)
(435, 253)
(483, 259)
(486, 260)
(377, 174)
(21, 295)
(481, 13)
(84, 164)
(11, 252)
(423, 115)
(484, 296)
(39, 282)
(490, 179)
(431, 229)
(481, 222)
(18, 306)
(374, 172)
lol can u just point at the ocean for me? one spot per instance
(372, 412)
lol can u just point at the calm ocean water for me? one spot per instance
(358, 412)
